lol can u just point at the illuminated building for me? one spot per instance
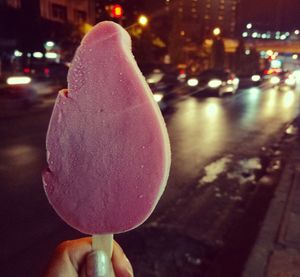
(205, 15)
(68, 11)
(72, 11)
(13, 3)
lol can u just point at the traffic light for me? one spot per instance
(116, 11)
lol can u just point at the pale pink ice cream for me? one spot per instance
(107, 144)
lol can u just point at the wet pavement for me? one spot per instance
(221, 148)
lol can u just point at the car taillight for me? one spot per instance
(47, 71)
(181, 72)
(26, 70)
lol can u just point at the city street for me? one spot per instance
(226, 77)
(221, 148)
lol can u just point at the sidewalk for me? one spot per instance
(276, 252)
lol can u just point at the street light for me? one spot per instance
(249, 26)
(37, 55)
(49, 45)
(216, 31)
(297, 32)
(283, 37)
(143, 20)
(18, 53)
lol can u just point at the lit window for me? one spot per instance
(222, 7)
(59, 12)
(220, 17)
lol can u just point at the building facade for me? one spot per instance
(72, 11)
(14, 3)
(203, 16)
(63, 11)
(222, 14)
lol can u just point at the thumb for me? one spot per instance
(97, 264)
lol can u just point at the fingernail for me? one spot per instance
(97, 264)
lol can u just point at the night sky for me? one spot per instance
(271, 14)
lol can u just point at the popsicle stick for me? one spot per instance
(104, 243)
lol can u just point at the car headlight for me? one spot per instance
(193, 82)
(158, 97)
(18, 80)
(236, 81)
(150, 81)
(275, 80)
(290, 81)
(255, 78)
(214, 83)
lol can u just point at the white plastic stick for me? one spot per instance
(105, 244)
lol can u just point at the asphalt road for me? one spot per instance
(218, 148)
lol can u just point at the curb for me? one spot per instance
(275, 252)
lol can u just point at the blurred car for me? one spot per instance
(56, 72)
(159, 98)
(159, 80)
(162, 82)
(16, 93)
(283, 80)
(213, 82)
(250, 80)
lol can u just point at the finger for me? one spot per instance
(121, 264)
(68, 257)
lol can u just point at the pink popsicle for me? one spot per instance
(107, 145)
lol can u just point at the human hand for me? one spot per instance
(76, 258)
